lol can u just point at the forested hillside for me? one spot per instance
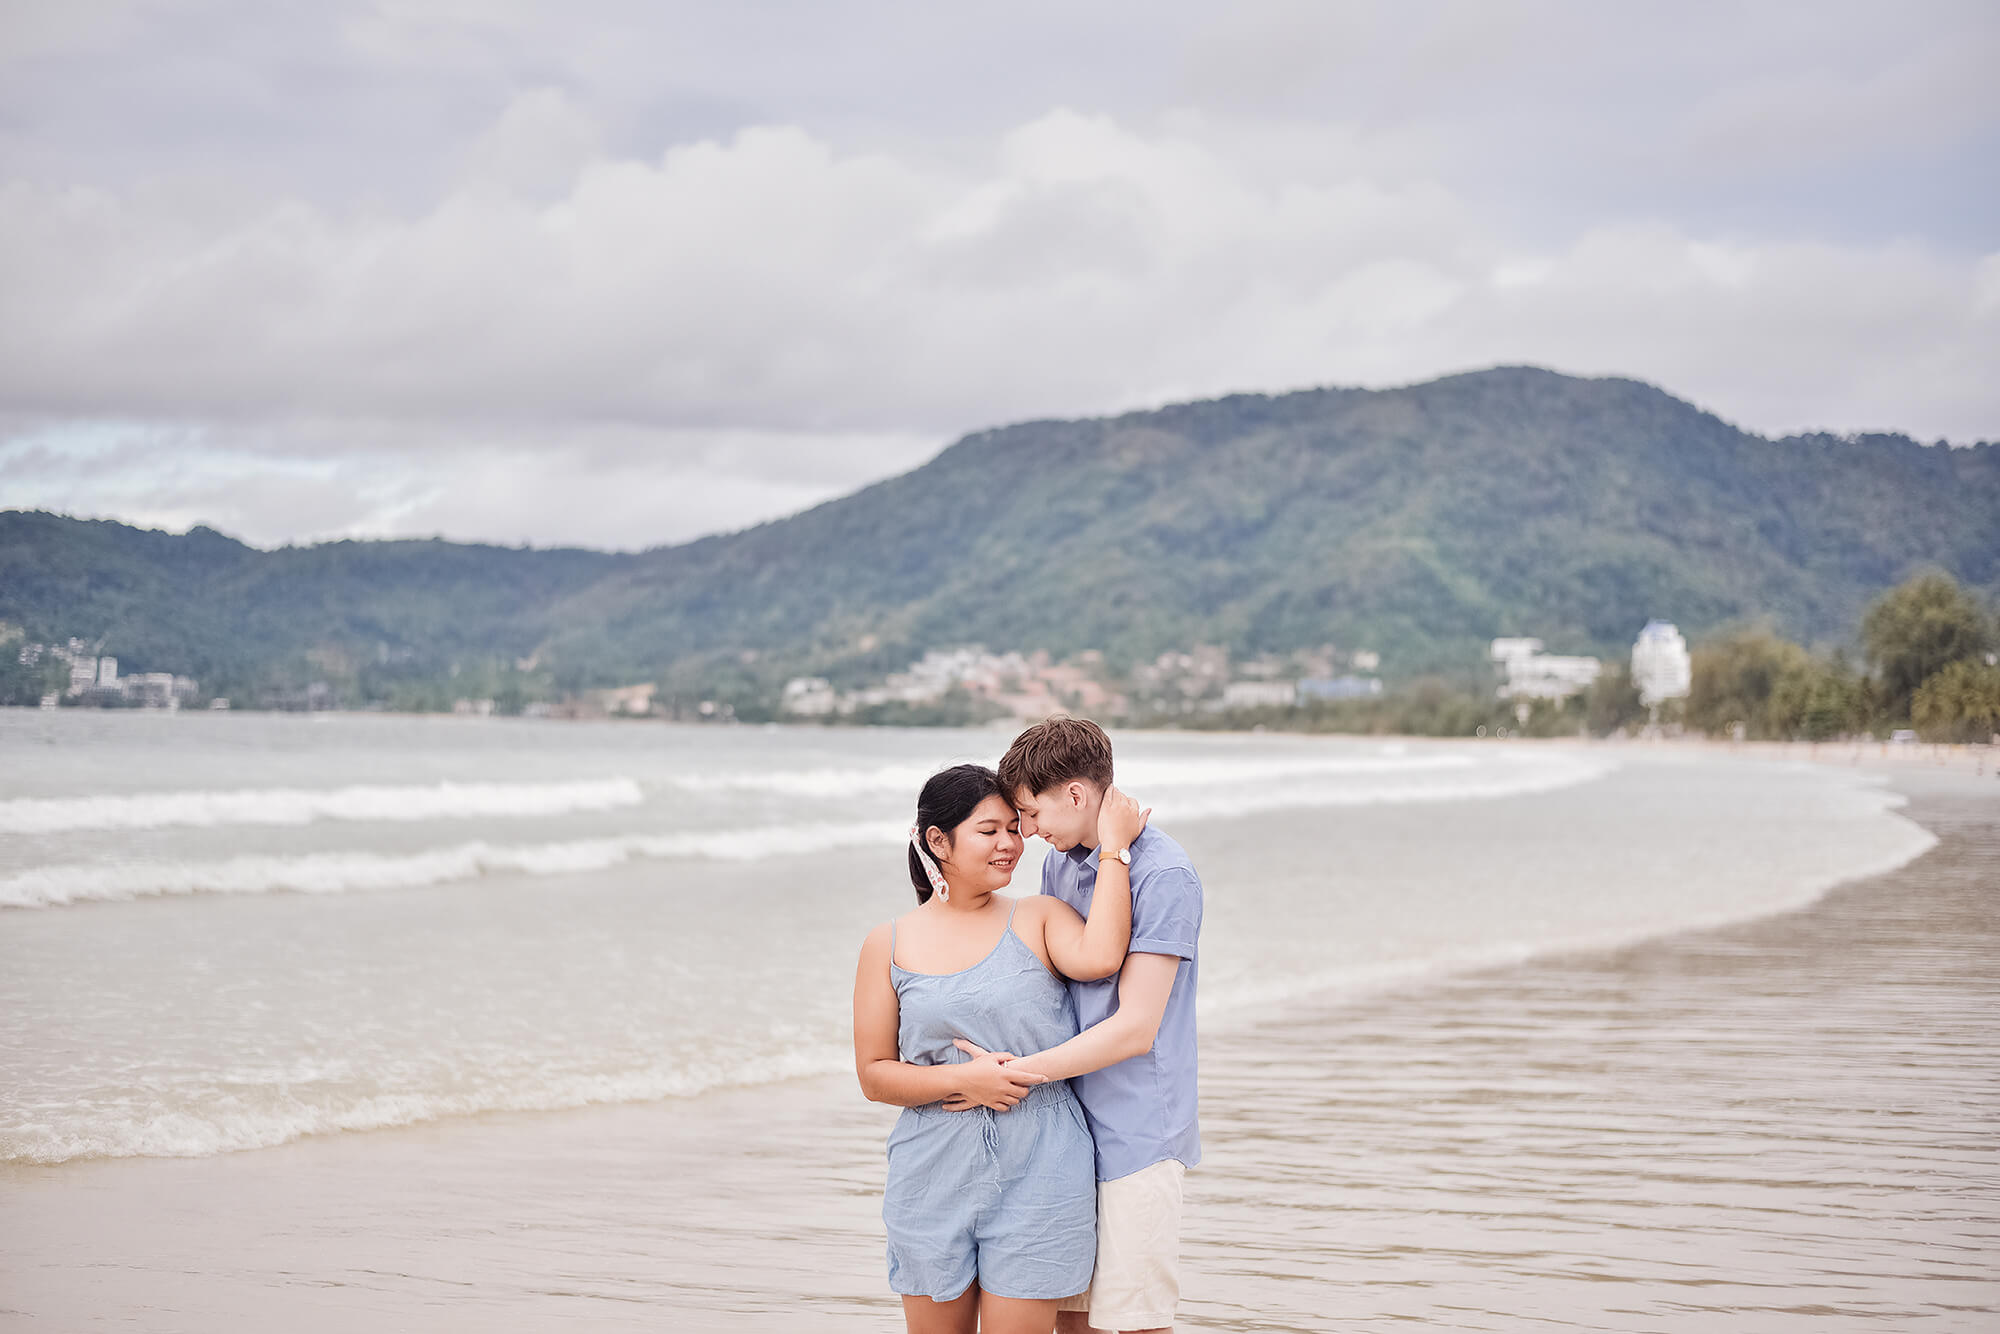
(1418, 521)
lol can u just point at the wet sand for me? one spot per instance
(1784, 1125)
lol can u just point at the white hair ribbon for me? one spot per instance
(930, 867)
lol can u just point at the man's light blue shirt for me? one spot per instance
(1141, 1110)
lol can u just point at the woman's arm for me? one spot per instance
(1092, 949)
(985, 1080)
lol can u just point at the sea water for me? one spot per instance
(225, 932)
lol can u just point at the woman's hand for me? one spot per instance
(1119, 820)
(988, 1080)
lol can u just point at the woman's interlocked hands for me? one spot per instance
(989, 1082)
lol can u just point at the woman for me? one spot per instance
(991, 1213)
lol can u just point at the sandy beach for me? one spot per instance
(1786, 1124)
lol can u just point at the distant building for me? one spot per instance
(636, 700)
(316, 695)
(1365, 660)
(1503, 649)
(1174, 681)
(1027, 686)
(150, 690)
(808, 696)
(1660, 664)
(1259, 695)
(1340, 687)
(1533, 674)
(155, 690)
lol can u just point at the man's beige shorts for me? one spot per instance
(1138, 1278)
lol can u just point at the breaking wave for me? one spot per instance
(340, 872)
(298, 806)
(278, 1113)
(350, 872)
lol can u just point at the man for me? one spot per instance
(1133, 1065)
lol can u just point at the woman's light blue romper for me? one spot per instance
(1008, 1198)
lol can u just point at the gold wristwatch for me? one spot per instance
(1123, 855)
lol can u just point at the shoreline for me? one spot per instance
(1362, 1149)
(1976, 757)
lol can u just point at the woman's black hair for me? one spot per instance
(949, 796)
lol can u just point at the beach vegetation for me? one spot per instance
(1928, 642)
(1611, 704)
(26, 672)
(1427, 706)
(1916, 630)
(1958, 702)
(1754, 683)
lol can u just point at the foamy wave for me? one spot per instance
(352, 872)
(298, 806)
(349, 872)
(1138, 775)
(1542, 774)
(290, 1111)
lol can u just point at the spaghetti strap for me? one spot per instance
(1010, 921)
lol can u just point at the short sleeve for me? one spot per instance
(1166, 913)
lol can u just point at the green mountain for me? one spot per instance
(1418, 521)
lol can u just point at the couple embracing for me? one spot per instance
(1042, 1048)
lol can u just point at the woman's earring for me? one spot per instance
(931, 872)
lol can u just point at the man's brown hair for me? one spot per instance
(1054, 752)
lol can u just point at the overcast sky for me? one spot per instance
(621, 274)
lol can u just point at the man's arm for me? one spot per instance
(986, 1080)
(1143, 989)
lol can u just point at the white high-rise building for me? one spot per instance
(1660, 665)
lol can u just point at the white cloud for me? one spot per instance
(771, 283)
(578, 332)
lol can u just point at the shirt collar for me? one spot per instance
(1090, 858)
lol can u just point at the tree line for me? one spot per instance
(1928, 648)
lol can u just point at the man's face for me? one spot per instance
(1064, 817)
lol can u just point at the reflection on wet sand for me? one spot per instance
(1784, 1125)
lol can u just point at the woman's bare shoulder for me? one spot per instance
(878, 939)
